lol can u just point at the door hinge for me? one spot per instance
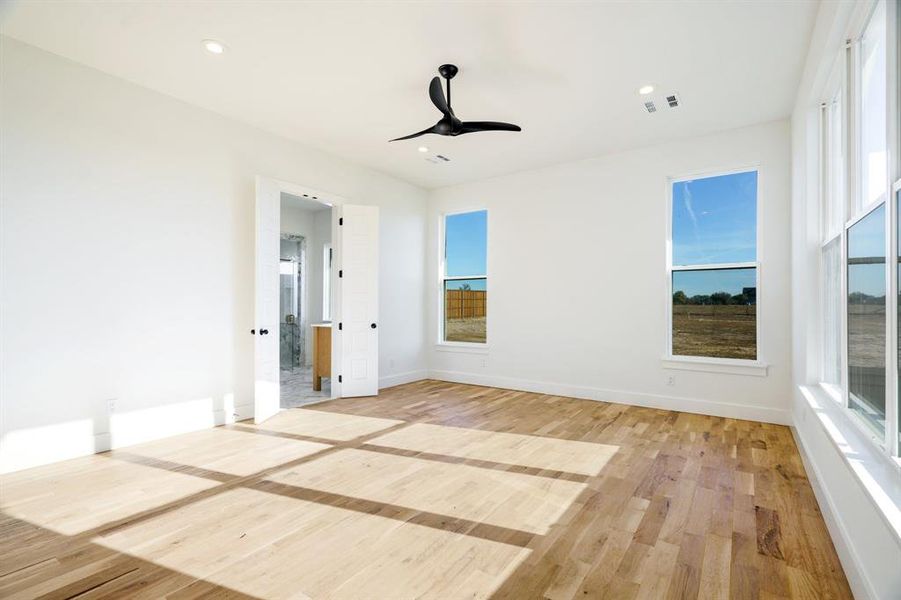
(341, 273)
(339, 379)
(340, 326)
(341, 221)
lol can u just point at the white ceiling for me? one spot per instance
(346, 77)
(300, 203)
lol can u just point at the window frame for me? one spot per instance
(850, 67)
(837, 86)
(741, 366)
(864, 428)
(442, 278)
(855, 92)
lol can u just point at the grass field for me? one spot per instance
(866, 335)
(465, 330)
(715, 331)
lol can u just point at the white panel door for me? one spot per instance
(358, 233)
(266, 298)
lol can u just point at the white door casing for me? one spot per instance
(266, 299)
(358, 241)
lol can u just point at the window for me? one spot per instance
(866, 319)
(832, 313)
(464, 280)
(713, 267)
(834, 166)
(834, 214)
(873, 111)
(326, 282)
(898, 310)
(858, 287)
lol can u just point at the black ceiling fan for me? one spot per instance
(449, 123)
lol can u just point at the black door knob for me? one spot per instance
(264, 331)
(253, 332)
(373, 325)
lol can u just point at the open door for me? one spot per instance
(265, 331)
(358, 278)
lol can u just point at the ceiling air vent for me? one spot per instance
(649, 106)
(672, 100)
(437, 159)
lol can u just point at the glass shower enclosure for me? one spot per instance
(291, 310)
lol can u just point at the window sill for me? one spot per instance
(877, 473)
(464, 347)
(712, 365)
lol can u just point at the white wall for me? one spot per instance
(577, 282)
(127, 259)
(851, 479)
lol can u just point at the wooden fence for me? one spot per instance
(464, 304)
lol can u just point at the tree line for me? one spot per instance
(714, 299)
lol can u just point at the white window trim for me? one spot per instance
(878, 473)
(734, 366)
(857, 113)
(846, 421)
(442, 344)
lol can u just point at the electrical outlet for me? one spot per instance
(391, 363)
(670, 380)
(111, 405)
(484, 361)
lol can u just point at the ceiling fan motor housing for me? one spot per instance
(448, 71)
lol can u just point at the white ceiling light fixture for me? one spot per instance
(645, 90)
(423, 149)
(214, 46)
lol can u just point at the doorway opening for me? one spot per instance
(304, 297)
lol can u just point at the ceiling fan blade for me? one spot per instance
(476, 126)
(437, 96)
(413, 135)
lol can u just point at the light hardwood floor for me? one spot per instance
(430, 490)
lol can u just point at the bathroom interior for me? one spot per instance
(304, 299)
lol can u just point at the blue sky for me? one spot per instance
(466, 247)
(715, 221)
(866, 238)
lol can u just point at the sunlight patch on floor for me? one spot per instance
(117, 490)
(327, 425)
(502, 498)
(225, 450)
(586, 458)
(274, 546)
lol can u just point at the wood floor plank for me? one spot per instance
(431, 490)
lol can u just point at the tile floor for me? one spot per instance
(297, 387)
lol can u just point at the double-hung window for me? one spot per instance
(834, 214)
(712, 267)
(858, 280)
(464, 277)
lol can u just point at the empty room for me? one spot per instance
(389, 300)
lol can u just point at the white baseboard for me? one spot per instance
(691, 405)
(402, 378)
(851, 563)
(37, 446)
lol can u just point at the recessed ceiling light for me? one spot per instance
(423, 149)
(645, 90)
(214, 47)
